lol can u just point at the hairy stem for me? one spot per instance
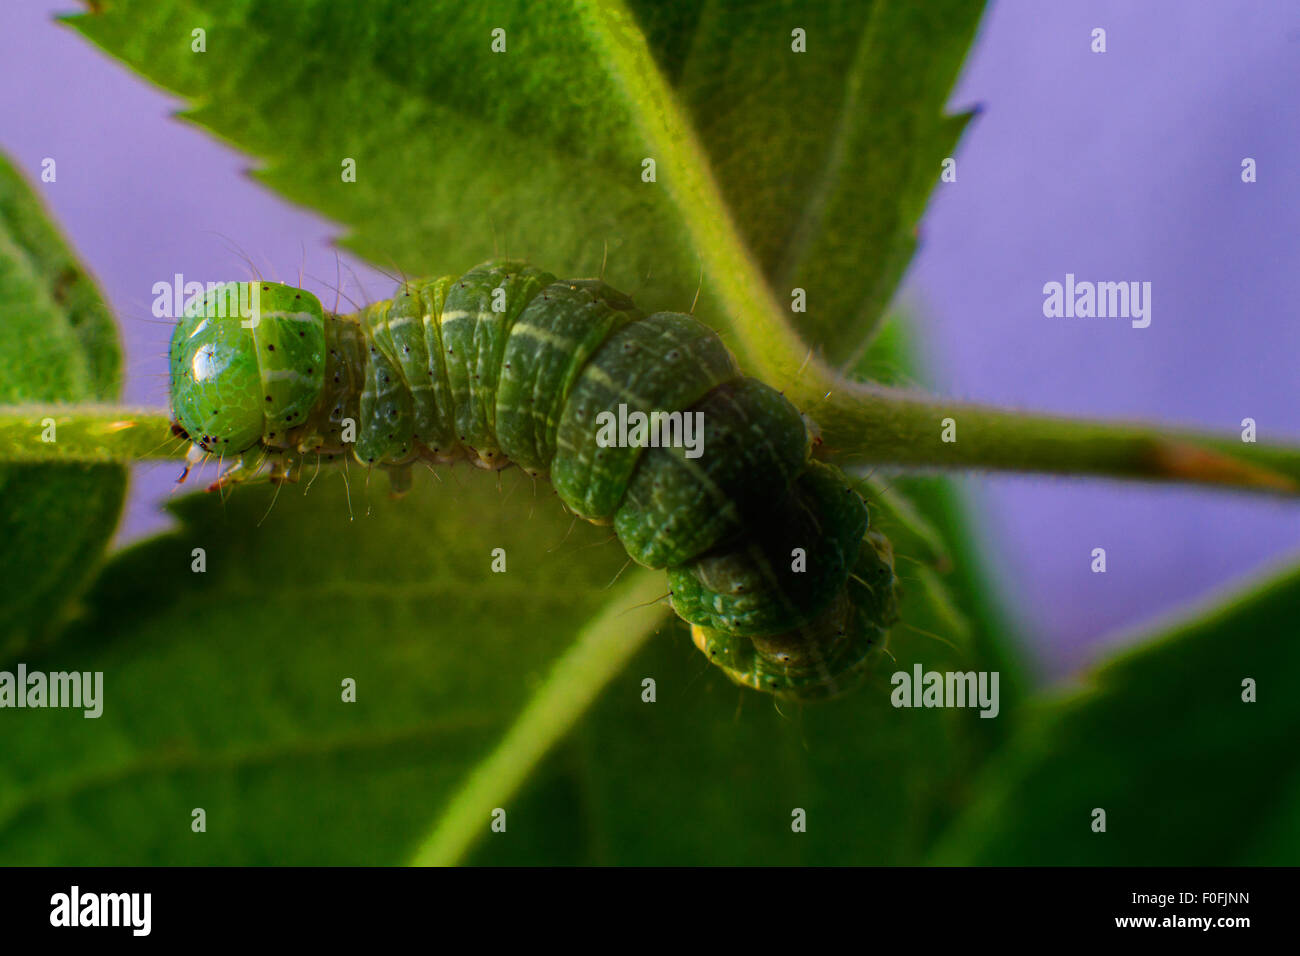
(871, 425)
(86, 434)
(860, 425)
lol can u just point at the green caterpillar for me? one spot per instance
(767, 549)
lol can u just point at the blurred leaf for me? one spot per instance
(1160, 738)
(904, 524)
(223, 689)
(59, 345)
(710, 774)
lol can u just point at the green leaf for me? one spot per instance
(710, 774)
(826, 158)
(460, 152)
(1188, 773)
(59, 345)
(222, 689)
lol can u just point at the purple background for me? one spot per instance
(1118, 166)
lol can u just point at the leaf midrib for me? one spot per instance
(165, 761)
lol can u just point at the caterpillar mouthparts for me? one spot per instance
(641, 421)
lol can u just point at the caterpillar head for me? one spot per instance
(247, 364)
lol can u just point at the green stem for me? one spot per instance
(87, 434)
(874, 425)
(601, 652)
(860, 425)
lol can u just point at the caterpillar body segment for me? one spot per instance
(829, 654)
(767, 550)
(551, 343)
(746, 585)
(476, 323)
(677, 507)
(665, 362)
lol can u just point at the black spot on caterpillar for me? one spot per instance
(767, 549)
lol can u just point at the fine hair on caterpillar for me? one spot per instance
(767, 549)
